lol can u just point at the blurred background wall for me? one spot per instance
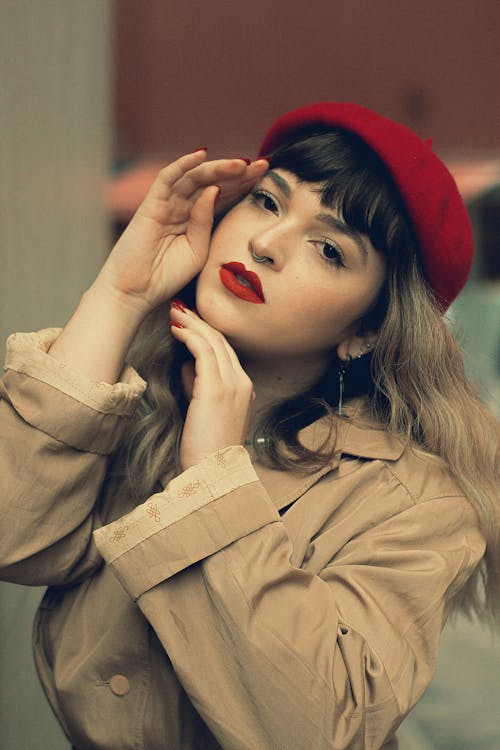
(221, 71)
(92, 91)
(55, 126)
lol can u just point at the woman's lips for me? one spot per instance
(234, 274)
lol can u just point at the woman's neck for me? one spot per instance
(278, 380)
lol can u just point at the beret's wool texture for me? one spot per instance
(438, 214)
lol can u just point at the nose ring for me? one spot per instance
(259, 258)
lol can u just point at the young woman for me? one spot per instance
(261, 549)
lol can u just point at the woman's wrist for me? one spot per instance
(96, 339)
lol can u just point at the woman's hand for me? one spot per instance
(166, 243)
(218, 389)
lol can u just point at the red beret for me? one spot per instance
(428, 190)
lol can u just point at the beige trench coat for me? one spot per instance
(238, 608)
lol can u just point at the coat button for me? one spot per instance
(119, 684)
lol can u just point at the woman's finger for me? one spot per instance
(200, 222)
(231, 175)
(202, 340)
(162, 204)
(208, 381)
(231, 374)
(208, 173)
(221, 393)
(233, 191)
(174, 172)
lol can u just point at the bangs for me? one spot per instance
(355, 183)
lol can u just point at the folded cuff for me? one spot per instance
(200, 512)
(63, 403)
(27, 355)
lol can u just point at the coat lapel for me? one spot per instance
(360, 439)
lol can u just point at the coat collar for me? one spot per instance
(353, 435)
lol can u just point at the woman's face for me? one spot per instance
(318, 280)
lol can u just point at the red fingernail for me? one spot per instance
(244, 158)
(176, 325)
(201, 148)
(178, 304)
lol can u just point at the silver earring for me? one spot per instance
(342, 371)
(259, 258)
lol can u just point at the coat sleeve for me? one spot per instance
(275, 656)
(57, 430)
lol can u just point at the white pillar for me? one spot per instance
(54, 155)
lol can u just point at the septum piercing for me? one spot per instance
(259, 258)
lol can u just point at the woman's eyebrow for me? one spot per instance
(340, 226)
(280, 182)
(329, 219)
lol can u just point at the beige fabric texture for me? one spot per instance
(238, 607)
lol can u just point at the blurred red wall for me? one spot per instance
(191, 72)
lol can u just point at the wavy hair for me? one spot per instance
(414, 382)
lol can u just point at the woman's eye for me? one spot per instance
(329, 252)
(264, 200)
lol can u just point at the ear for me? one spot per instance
(356, 344)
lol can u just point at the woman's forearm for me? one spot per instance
(96, 339)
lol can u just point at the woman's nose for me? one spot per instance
(268, 246)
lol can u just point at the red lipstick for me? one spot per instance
(242, 283)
